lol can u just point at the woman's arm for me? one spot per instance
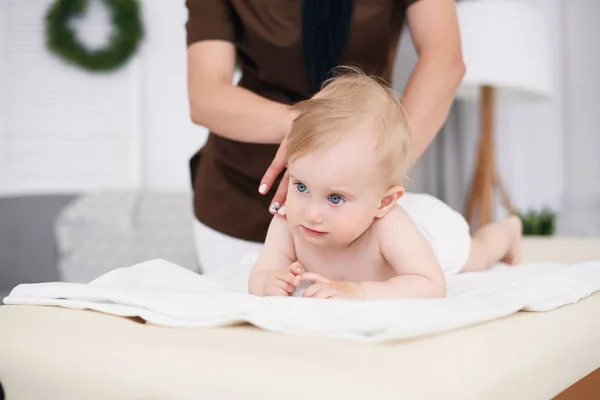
(432, 86)
(228, 110)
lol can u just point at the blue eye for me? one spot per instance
(301, 187)
(336, 199)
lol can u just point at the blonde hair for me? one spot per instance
(346, 102)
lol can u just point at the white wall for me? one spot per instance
(63, 129)
(582, 117)
(582, 93)
(3, 39)
(170, 137)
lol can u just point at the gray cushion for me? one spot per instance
(28, 251)
(103, 231)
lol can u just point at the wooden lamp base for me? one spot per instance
(485, 175)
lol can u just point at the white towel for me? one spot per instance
(165, 294)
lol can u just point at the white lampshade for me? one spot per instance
(505, 45)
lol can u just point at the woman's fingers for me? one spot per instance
(277, 166)
(281, 195)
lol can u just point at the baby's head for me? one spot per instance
(347, 152)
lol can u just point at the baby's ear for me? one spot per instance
(392, 195)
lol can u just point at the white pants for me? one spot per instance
(217, 251)
(446, 230)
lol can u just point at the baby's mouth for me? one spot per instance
(313, 232)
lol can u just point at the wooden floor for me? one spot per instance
(586, 389)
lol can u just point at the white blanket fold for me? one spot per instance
(165, 294)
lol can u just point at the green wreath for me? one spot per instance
(124, 40)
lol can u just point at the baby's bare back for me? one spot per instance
(361, 261)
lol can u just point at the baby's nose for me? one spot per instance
(314, 215)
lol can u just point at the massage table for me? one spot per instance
(58, 353)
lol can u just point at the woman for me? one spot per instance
(285, 50)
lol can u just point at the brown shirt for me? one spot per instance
(267, 34)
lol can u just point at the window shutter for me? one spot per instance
(63, 128)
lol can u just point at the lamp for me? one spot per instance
(506, 52)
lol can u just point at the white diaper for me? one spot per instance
(446, 230)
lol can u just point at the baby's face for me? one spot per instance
(334, 193)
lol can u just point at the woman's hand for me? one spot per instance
(234, 112)
(278, 164)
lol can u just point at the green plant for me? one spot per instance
(542, 222)
(124, 40)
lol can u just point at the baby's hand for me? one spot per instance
(324, 288)
(282, 282)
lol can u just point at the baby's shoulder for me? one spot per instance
(395, 222)
(395, 215)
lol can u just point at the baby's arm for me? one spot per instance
(274, 273)
(411, 256)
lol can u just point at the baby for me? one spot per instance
(350, 229)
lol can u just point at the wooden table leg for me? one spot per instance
(485, 174)
(481, 195)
